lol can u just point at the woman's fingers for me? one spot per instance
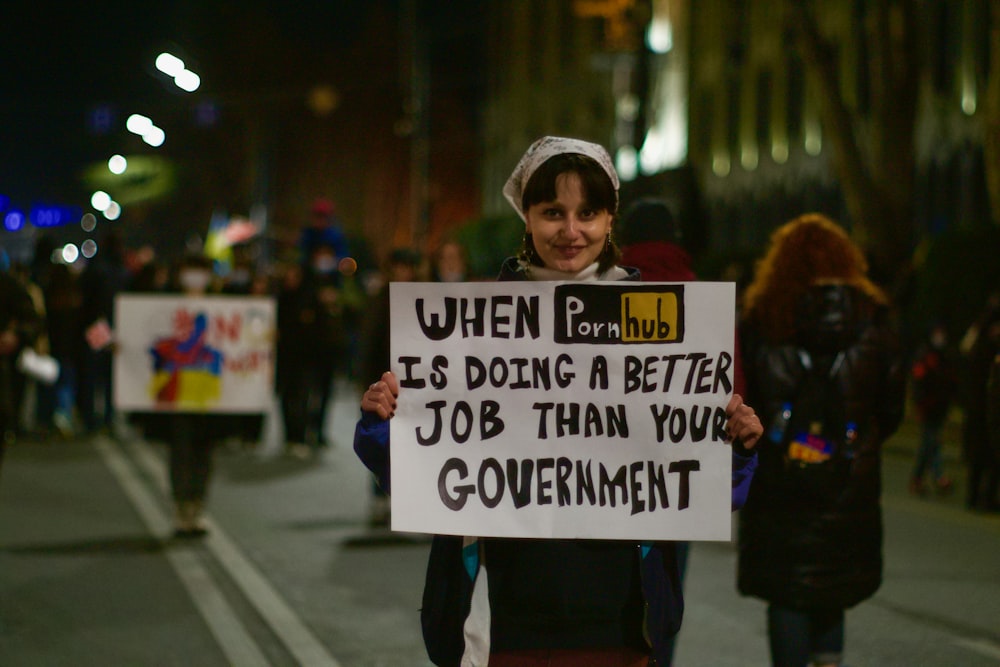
(743, 424)
(380, 397)
(389, 378)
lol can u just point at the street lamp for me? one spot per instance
(174, 67)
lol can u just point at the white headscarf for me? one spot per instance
(542, 150)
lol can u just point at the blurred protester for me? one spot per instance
(191, 436)
(310, 346)
(651, 242)
(40, 270)
(980, 345)
(324, 229)
(449, 264)
(101, 281)
(65, 327)
(19, 326)
(403, 266)
(935, 380)
(244, 280)
(40, 345)
(993, 403)
(151, 277)
(823, 367)
(506, 602)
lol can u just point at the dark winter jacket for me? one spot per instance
(644, 579)
(818, 544)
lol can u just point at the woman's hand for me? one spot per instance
(743, 423)
(380, 397)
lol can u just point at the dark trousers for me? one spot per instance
(798, 637)
(304, 402)
(190, 458)
(95, 397)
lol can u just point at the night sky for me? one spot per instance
(59, 62)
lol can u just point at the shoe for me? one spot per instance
(917, 487)
(63, 424)
(298, 450)
(380, 512)
(188, 520)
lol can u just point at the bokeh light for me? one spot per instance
(117, 164)
(100, 200)
(169, 64)
(70, 253)
(154, 136)
(188, 81)
(88, 248)
(88, 222)
(13, 220)
(113, 211)
(138, 124)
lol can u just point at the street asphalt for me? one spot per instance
(292, 574)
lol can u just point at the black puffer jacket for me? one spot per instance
(821, 547)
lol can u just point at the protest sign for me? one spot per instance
(562, 409)
(193, 354)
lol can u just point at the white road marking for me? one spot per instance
(223, 622)
(981, 646)
(287, 626)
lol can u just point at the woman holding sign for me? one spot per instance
(553, 602)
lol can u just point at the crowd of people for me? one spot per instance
(820, 385)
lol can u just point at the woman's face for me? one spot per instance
(568, 234)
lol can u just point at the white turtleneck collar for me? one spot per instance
(587, 274)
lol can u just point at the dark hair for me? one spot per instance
(597, 188)
(649, 219)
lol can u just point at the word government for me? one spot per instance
(639, 486)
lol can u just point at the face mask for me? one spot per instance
(194, 280)
(325, 265)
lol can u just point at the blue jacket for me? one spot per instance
(452, 568)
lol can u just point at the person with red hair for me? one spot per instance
(810, 534)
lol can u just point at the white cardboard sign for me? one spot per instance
(562, 409)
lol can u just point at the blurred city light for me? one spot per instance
(88, 222)
(154, 136)
(779, 151)
(660, 36)
(627, 163)
(100, 200)
(53, 215)
(813, 138)
(113, 211)
(13, 220)
(169, 64)
(721, 164)
(88, 248)
(70, 253)
(187, 81)
(138, 124)
(117, 164)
